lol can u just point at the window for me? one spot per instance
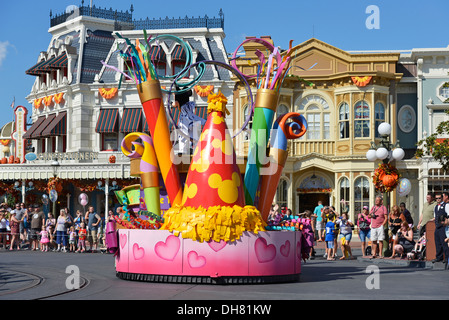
(379, 117)
(178, 66)
(361, 121)
(443, 92)
(281, 193)
(343, 121)
(109, 141)
(313, 108)
(344, 194)
(361, 194)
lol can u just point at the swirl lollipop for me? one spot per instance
(149, 174)
(282, 131)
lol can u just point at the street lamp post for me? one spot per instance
(106, 190)
(385, 151)
(23, 188)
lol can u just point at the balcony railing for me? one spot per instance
(125, 19)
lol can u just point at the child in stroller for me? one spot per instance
(419, 252)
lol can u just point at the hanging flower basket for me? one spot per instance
(386, 177)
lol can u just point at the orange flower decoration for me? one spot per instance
(37, 103)
(361, 81)
(203, 91)
(48, 101)
(59, 97)
(108, 93)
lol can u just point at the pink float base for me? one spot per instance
(159, 256)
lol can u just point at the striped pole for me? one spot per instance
(264, 109)
(151, 98)
(282, 131)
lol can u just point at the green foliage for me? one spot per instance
(435, 147)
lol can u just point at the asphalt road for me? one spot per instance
(33, 275)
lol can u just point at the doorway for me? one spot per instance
(308, 201)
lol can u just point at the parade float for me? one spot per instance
(215, 230)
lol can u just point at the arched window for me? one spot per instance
(361, 120)
(344, 194)
(282, 193)
(361, 194)
(343, 121)
(316, 111)
(379, 117)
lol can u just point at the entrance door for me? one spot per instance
(308, 201)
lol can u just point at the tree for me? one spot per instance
(436, 146)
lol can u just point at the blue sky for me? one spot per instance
(403, 25)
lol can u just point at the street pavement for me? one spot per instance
(35, 275)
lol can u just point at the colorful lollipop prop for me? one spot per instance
(281, 133)
(149, 171)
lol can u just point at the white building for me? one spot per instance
(81, 112)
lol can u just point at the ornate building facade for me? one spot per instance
(344, 98)
(81, 109)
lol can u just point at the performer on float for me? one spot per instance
(189, 123)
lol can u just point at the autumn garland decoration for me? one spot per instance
(386, 177)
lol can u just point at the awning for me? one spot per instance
(33, 128)
(34, 70)
(46, 66)
(157, 54)
(60, 61)
(131, 120)
(57, 127)
(201, 112)
(107, 121)
(178, 54)
(38, 132)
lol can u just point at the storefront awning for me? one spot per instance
(201, 112)
(57, 127)
(178, 54)
(157, 54)
(60, 61)
(33, 128)
(34, 70)
(38, 132)
(131, 120)
(107, 121)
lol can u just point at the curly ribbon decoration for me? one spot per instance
(281, 133)
(187, 86)
(149, 170)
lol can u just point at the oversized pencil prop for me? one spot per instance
(149, 170)
(269, 81)
(271, 172)
(149, 89)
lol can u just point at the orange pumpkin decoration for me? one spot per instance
(112, 159)
(389, 180)
(11, 159)
(16, 160)
(3, 161)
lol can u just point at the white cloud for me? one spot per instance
(3, 50)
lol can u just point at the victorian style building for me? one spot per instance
(344, 98)
(81, 110)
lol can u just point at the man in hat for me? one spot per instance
(189, 123)
(37, 221)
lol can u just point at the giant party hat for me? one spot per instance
(213, 202)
